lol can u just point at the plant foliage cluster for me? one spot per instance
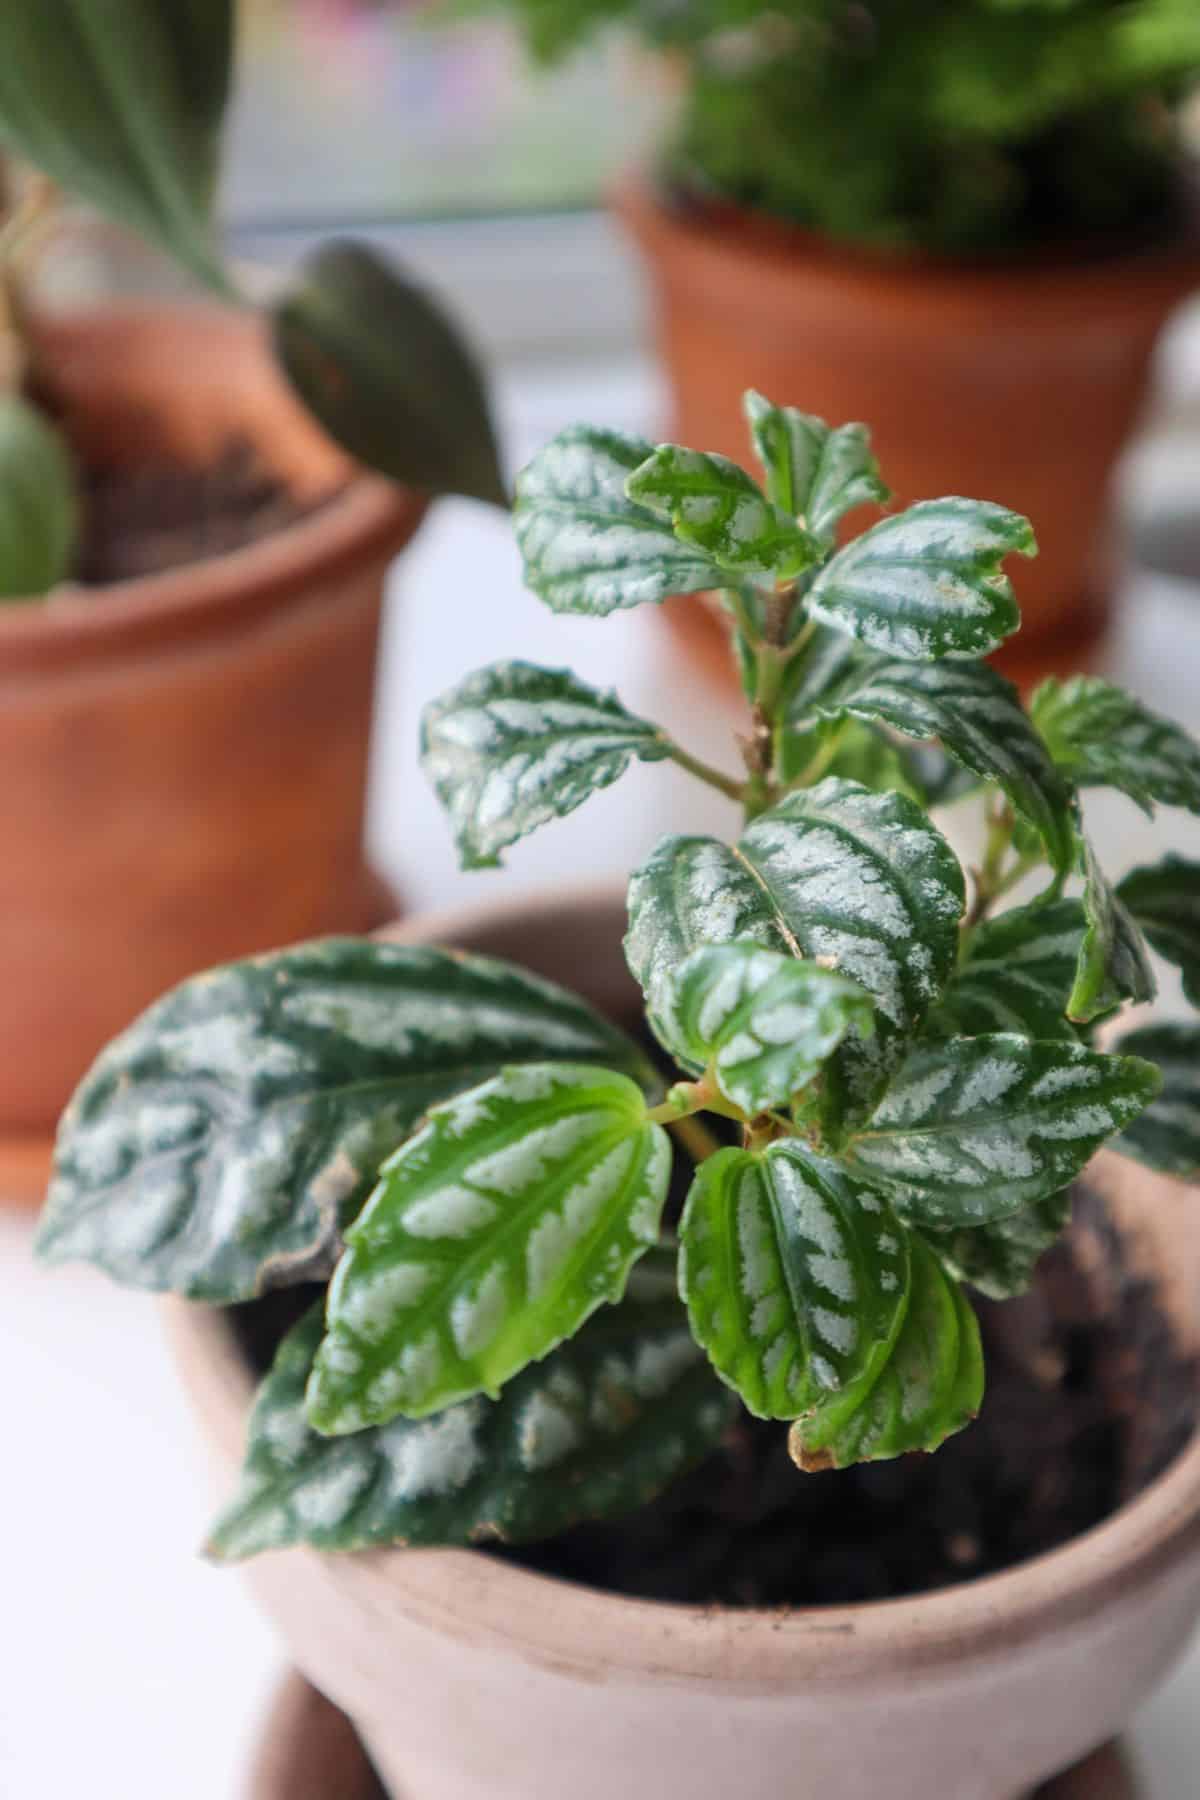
(121, 104)
(905, 1069)
(950, 125)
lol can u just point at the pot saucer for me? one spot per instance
(309, 1750)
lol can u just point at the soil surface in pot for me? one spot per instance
(146, 518)
(1088, 1399)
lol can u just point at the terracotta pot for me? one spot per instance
(470, 1679)
(1011, 382)
(186, 752)
(310, 1751)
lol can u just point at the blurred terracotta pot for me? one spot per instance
(471, 1679)
(1015, 382)
(185, 754)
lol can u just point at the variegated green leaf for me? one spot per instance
(860, 882)
(388, 373)
(929, 1388)
(815, 472)
(587, 547)
(1113, 966)
(972, 1129)
(827, 660)
(762, 1021)
(513, 746)
(39, 510)
(712, 502)
(977, 716)
(927, 583)
(999, 1259)
(939, 779)
(495, 1231)
(1018, 972)
(795, 1278)
(1103, 737)
(121, 103)
(1167, 1134)
(1164, 902)
(598, 1428)
(219, 1145)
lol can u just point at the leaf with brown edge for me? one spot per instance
(930, 1387)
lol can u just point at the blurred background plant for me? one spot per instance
(122, 107)
(955, 126)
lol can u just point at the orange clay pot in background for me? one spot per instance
(184, 755)
(1014, 382)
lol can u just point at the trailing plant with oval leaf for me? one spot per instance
(122, 105)
(899, 1074)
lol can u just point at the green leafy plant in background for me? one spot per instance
(882, 1081)
(957, 126)
(121, 105)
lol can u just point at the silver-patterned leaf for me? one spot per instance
(587, 547)
(711, 502)
(1167, 1134)
(972, 1129)
(815, 472)
(1164, 902)
(494, 1232)
(930, 1387)
(1103, 737)
(1017, 974)
(859, 882)
(827, 661)
(219, 1145)
(927, 583)
(977, 716)
(999, 1259)
(795, 1277)
(1113, 965)
(513, 746)
(597, 1429)
(762, 1021)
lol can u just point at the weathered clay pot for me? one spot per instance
(1015, 382)
(186, 753)
(309, 1750)
(470, 1679)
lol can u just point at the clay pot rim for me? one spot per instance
(591, 1632)
(238, 587)
(777, 249)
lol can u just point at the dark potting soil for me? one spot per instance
(1088, 1399)
(164, 514)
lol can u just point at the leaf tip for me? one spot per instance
(809, 1461)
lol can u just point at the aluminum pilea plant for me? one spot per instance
(121, 103)
(882, 1084)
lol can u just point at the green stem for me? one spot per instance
(696, 1138)
(688, 1097)
(820, 761)
(732, 598)
(725, 784)
(990, 876)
